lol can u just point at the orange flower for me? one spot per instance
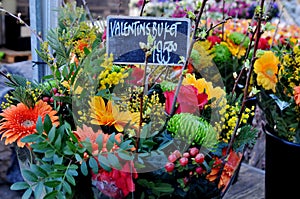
(88, 133)
(109, 114)
(20, 121)
(229, 168)
(266, 68)
(297, 94)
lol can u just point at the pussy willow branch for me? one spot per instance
(22, 22)
(216, 25)
(246, 57)
(245, 95)
(277, 26)
(187, 60)
(88, 11)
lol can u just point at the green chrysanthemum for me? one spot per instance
(237, 38)
(221, 54)
(192, 129)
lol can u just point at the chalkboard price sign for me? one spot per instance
(172, 37)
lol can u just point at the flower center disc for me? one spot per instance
(28, 123)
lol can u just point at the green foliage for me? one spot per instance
(239, 39)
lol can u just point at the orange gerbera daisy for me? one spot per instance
(20, 121)
(110, 115)
(297, 94)
(88, 133)
(266, 68)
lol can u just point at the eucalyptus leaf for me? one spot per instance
(93, 164)
(51, 195)
(38, 190)
(27, 194)
(39, 125)
(110, 142)
(51, 134)
(29, 175)
(67, 187)
(19, 186)
(114, 161)
(52, 184)
(83, 168)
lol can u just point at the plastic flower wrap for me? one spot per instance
(94, 128)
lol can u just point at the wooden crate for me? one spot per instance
(11, 55)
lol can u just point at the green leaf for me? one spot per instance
(38, 190)
(49, 153)
(71, 179)
(52, 184)
(57, 159)
(51, 195)
(29, 175)
(55, 174)
(83, 168)
(57, 143)
(47, 123)
(51, 134)
(93, 164)
(19, 186)
(104, 163)
(110, 142)
(59, 167)
(114, 161)
(125, 155)
(78, 157)
(30, 138)
(39, 125)
(126, 145)
(38, 170)
(99, 141)
(27, 194)
(67, 187)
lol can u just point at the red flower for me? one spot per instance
(189, 100)
(104, 35)
(214, 40)
(263, 44)
(116, 183)
(136, 76)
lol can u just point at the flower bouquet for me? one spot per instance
(97, 129)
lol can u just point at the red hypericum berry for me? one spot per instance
(54, 90)
(194, 151)
(51, 100)
(57, 94)
(183, 161)
(186, 154)
(177, 153)
(199, 170)
(199, 158)
(46, 99)
(169, 166)
(172, 157)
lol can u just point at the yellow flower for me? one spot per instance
(236, 50)
(266, 68)
(110, 115)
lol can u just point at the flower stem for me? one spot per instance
(250, 70)
(173, 109)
